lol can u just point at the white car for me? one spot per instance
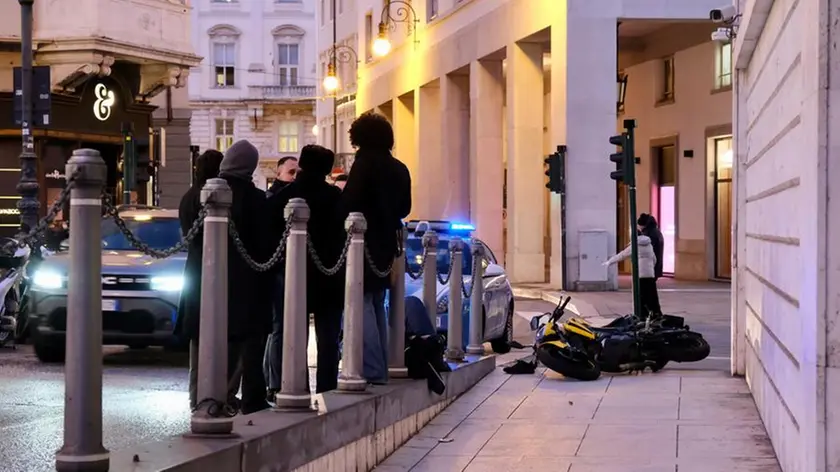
(498, 296)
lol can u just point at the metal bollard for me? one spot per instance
(217, 198)
(396, 314)
(430, 252)
(82, 449)
(351, 379)
(455, 326)
(476, 346)
(294, 385)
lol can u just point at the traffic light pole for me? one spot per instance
(630, 170)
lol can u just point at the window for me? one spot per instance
(431, 9)
(369, 36)
(667, 94)
(289, 136)
(224, 134)
(224, 63)
(157, 233)
(288, 60)
(323, 12)
(340, 6)
(723, 67)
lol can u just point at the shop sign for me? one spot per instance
(105, 99)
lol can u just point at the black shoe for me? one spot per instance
(270, 395)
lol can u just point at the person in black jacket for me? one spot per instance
(650, 228)
(325, 294)
(287, 168)
(186, 326)
(379, 187)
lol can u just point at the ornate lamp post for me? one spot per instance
(404, 13)
(28, 205)
(344, 54)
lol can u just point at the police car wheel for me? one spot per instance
(502, 345)
(48, 353)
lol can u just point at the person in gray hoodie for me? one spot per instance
(249, 291)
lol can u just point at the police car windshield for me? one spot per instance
(414, 253)
(158, 233)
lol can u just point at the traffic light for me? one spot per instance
(554, 170)
(620, 158)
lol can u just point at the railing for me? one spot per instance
(213, 416)
(283, 92)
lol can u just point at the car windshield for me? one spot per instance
(414, 254)
(157, 233)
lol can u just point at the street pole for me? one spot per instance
(334, 60)
(630, 165)
(27, 187)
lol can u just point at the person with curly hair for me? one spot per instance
(379, 187)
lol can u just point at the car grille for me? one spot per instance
(131, 322)
(125, 282)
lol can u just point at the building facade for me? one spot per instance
(101, 76)
(786, 289)
(463, 84)
(258, 77)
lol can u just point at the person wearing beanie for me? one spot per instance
(650, 228)
(325, 294)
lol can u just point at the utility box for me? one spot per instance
(594, 251)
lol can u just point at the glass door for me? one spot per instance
(665, 199)
(723, 207)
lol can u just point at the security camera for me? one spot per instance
(724, 14)
(721, 35)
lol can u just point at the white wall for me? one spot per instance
(786, 291)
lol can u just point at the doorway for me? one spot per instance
(664, 200)
(723, 206)
(624, 226)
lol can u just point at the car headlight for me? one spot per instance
(169, 283)
(44, 278)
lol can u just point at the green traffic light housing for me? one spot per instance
(555, 170)
(619, 158)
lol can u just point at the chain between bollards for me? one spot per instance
(294, 383)
(454, 336)
(82, 450)
(351, 378)
(476, 345)
(212, 417)
(430, 250)
(396, 315)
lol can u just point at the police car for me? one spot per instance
(497, 309)
(139, 293)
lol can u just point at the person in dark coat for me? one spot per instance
(650, 228)
(287, 169)
(189, 307)
(379, 187)
(325, 294)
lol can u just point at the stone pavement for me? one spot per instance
(685, 421)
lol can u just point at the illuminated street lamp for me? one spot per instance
(331, 81)
(404, 13)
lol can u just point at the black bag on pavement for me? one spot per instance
(424, 360)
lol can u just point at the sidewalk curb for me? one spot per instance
(576, 306)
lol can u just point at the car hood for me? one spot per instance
(415, 287)
(123, 262)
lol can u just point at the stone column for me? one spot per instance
(428, 140)
(525, 180)
(455, 147)
(405, 149)
(487, 169)
(583, 117)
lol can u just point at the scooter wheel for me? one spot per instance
(567, 364)
(687, 347)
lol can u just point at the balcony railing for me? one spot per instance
(283, 92)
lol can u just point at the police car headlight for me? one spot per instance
(443, 304)
(171, 283)
(47, 279)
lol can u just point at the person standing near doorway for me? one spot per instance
(650, 228)
(648, 294)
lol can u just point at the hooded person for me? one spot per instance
(189, 311)
(325, 294)
(647, 273)
(650, 228)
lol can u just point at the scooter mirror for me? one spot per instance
(535, 322)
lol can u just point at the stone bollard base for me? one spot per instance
(475, 350)
(293, 402)
(351, 385)
(203, 424)
(83, 463)
(455, 355)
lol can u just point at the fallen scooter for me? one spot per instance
(578, 350)
(12, 268)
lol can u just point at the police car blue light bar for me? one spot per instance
(439, 226)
